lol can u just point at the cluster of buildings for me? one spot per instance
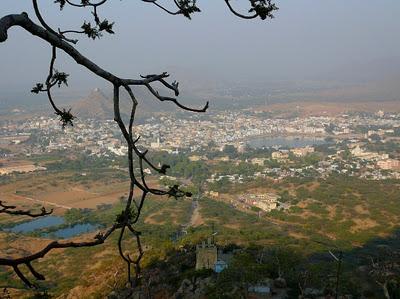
(283, 154)
(44, 135)
(265, 201)
(234, 127)
(195, 133)
(359, 162)
(361, 153)
(389, 164)
(192, 132)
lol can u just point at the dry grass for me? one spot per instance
(57, 192)
(362, 224)
(360, 209)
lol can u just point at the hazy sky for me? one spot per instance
(306, 39)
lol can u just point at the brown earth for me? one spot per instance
(196, 219)
(362, 224)
(63, 196)
(360, 209)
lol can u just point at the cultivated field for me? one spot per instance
(60, 192)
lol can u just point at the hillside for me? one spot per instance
(98, 104)
(95, 105)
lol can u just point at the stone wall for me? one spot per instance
(206, 256)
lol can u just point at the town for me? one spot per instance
(238, 147)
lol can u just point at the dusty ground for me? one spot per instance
(196, 219)
(362, 224)
(360, 209)
(62, 196)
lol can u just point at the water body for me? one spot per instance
(75, 230)
(36, 224)
(53, 222)
(286, 142)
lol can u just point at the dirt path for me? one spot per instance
(196, 219)
(82, 190)
(43, 202)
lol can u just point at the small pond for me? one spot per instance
(72, 231)
(56, 225)
(36, 224)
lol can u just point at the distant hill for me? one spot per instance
(95, 105)
(375, 81)
(99, 104)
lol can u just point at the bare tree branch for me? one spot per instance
(162, 7)
(133, 208)
(11, 210)
(261, 8)
(15, 263)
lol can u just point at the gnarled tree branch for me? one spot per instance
(130, 215)
(12, 210)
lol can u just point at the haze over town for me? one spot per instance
(272, 170)
(318, 50)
